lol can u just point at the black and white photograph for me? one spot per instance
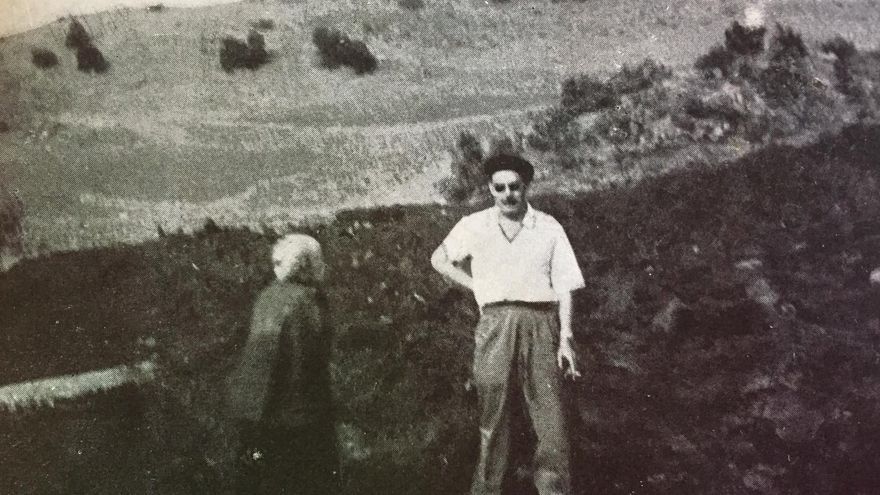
(440, 247)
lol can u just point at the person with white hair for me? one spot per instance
(279, 392)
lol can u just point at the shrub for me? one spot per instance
(744, 40)
(466, 171)
(236, 54)
(786, 77)
(411, 4)
(840, 47)
(90, 59)
(718, 59)
(634, 79)
(44, 58)
(155, 8)
(584, 94)
(845, 52)
(11, 214)
(77, 36)
(263, 24)
(336, 49)
(786, 45)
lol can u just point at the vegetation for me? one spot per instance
(88, 57)
(263, 24)
(44, 58)
(337, 49)
(411, 4)
(237, 54)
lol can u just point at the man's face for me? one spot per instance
(509, 192)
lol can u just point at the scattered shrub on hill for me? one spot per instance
(263, 24)
(411, 4)
(787, 76)
(466, 174)
(336, 49)
(236, 54)
(44, 58)
(632, 79)
(4, 126)
(744, 40)
(717, 62)
(11, 233)
(585, 94)
(90, 59)
(844, 52)
(155, 8)
(77, 36)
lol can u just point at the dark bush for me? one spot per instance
(336, 49)
(156, 8)
(744, 40)
(263, 24)
(845, 52)
(466, 170)
(840, 47)
(90, 59)
(718, 59)
(411, 4)
(11, 215)
(77, 36)
(638, 78)
(236, 54)
(585, 93)
(44, 58)
(786, 45)
(786, 77)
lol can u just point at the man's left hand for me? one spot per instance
(565, 358)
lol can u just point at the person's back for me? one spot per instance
(280, 391)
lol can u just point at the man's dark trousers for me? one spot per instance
(515, 349)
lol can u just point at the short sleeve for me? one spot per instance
(565, 274)
(458, 243)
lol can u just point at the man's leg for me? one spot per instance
(542, 385)
(493, 355)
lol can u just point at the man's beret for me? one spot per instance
(509, 162)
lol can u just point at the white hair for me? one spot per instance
(305, 256)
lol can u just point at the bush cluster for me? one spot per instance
(337, 49)
(237, 54)
(11, 215)
(88, 57)
(411, 4)
(585, 93)
(844, 52)
(44, 58)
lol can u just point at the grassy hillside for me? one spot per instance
(728, 332)
(166, 137)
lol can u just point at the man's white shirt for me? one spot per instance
(536, 265)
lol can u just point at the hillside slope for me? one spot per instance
(167, 138)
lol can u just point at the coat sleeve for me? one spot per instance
(248, 385)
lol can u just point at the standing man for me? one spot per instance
(523, 271)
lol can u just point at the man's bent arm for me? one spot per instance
(441, 262)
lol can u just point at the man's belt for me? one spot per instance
(535, 305)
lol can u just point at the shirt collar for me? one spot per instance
(529, 220)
